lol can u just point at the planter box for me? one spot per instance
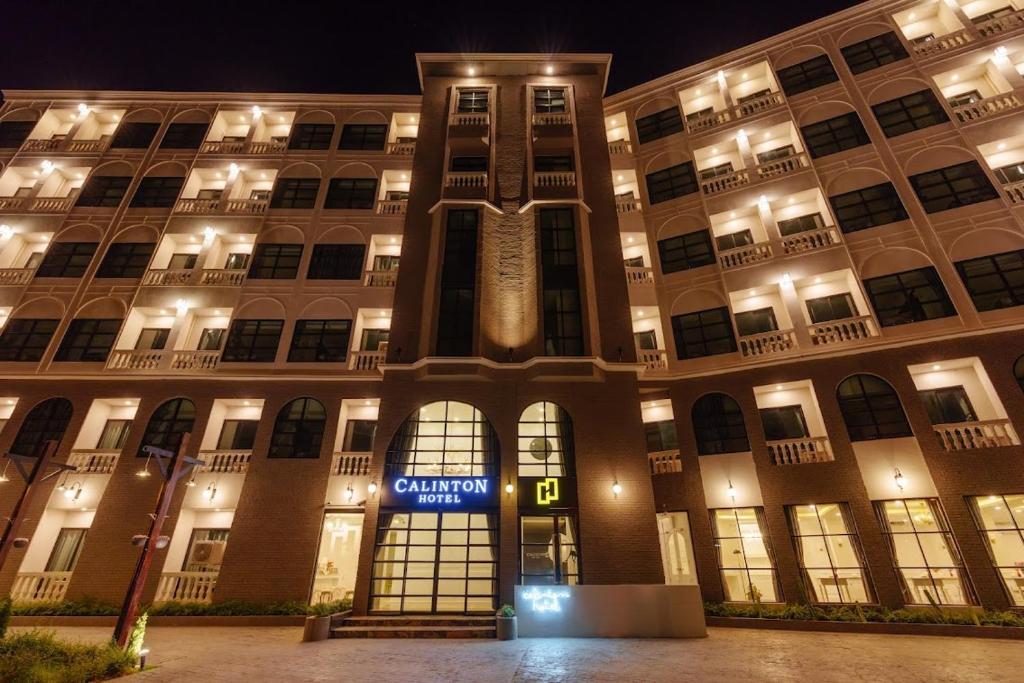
(248, 621)
(951, 630)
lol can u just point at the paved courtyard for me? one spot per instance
(275, 654)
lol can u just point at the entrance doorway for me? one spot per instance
(338, 557)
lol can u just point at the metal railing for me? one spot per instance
(962, 436)
(186, 586)
(665, 462)
(809, 449)
(767, 343)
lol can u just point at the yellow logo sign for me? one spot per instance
(547, 491)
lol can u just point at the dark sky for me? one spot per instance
(357, 47)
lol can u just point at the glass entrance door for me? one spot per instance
(549, 550)
(435, 562)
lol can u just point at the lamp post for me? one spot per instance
(31, 476)
(174, 466)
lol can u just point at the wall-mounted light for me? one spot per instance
(3, 475)
(349, 493)
(471, 71)
(372, 488)
(181, 306)
(83, 109)
(741, 136)
(762, 202)
(1001, 55)
(509, 488)
(731, 491)
(47, 166)
(899, 479)
(208, 234)
(616, 489)
(73, 492)
(256, 112)
(233, 171)
(786, 279)
(144, 472)
(211, 491)
(191, 483)
(549, 69)
(6, 232)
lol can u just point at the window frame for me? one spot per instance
(658, 125)
(902, 115)
(81, 336)
(946, 179)
(807, 75)
(304, 333)
(870, 404)
(249, 346)
(888, 316)
(834, 135)
(696, 249)
(725, 320)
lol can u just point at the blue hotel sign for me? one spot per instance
(440, 493)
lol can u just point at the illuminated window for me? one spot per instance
(338, 557)
(1001, 522)
(446, 439)
(829, 553)
(676, 549)
(549, 550)
(298, 430)
(545, 441)
(744, 556)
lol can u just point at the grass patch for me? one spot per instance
(38, 657)
(861, 613)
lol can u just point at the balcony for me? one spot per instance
(88, 146)
(267, 146)
(248, 207)
(652, 359)
(554, 179)
(468, 119)
(228, 462)
(842, 331)
(964, 436)
(701, 122)
(552, 119)
(626, 205)
(392, 207)
(756, 105)
(723, 183)
(40, 586)
(223, 147)
(990, 106)
(350, 464)
(380, 278)
(44, 144)
(697, 122)
(997, 25)
(745, 256)
(221, 277)
(366, 360)
(167, 277)
(14, 277)
(950, 41)
(197, 206)
(640, 275)
(665, 462)
(186, 587)
(810, 240)
(465, 179)
(402, 148)
(620, 147)
(38, 204)
(781, 167)
(186, 360)
(93, 461)
(807, 450)
(132, 359)
(767, 343)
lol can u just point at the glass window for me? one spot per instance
(874, 52)
(832, 307)
(661, 436)
(716, 171)
(471, 101)
(184, 136)
(829, 553)
(237, 435)
(275, 261)
(295, 193)
(14, 133)
(113, 436)
(26, 339)
(457, 298)
(757, 321)
(88, 340)
(952, 187)
(948, 405)
(368, 136)
(359, 436)
(444, 439)
(909, 297)
(47, 421)
(351, 193)
(676, 549)
(252, 341)
(669, 183)
(210, 339)
(734, 240)
(182, 261)
(703, 333)
(298, 430)
(545, 441)
(783, 423)
(552, 163)
(66, 550)
(923, 549)
(550, 551)
(1000, 520)
(718, 425)
(205, 550)
(320, 341)
(337, 262)
(338, 557)
(794, 226)
(311, 136)
(995, 281)
(563, 315)
(647, 340)
(868, 207)
(155, 192)
(744, 555)
(126, 259)
(783, 152)
(464, 164)
(374, 339)
(134, 135)
(909, 113)
(807, 75)
(871, 409)
(103, 191)
(67, 259)
(834, 135)
(683, 252)
(549, 100)
(152, 338)
(168, 424)
(658, 125)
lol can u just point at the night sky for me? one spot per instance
(357, 47)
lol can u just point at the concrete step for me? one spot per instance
(412, 632)
(420, 620)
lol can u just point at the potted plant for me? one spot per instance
(507, 627)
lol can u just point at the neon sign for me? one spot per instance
(545, 599)
(543, 494)
(440, 492)
(547, 491)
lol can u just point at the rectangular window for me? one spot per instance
(952, 187)
(126, 259)
(1000, 520)
(88, 340)
(924, 551)
(66, 550)
(295, 193)
(113, 436)
(549, 100)
(25, 339)
(995, 281)
(551, 164)
(1014, 173)
(457, 297)
(672, 182)
(677, 549)
(794, 226)
(67, 259)
(374, 339)
(182, 261)
(704, 333)
(210, 339)
(351, 193)
(237, 261)
(311, 136)
(874, 52)
(683, 252)
(734, 240)
(831, 307)
(563, 314)
(658, 125)
(745, 559)
(834, 135)
(783, 423)
(909, 113)
(964, 98)
(783, 152)
(756, 322)
(716, 171)
(205, 550)
(252, 341)
(909, 297)
(184, 136)
(948, 405)
(829, 553)
(646, 340)
(152, 338)
(868, 207)
(134, 135)
(359, 436)
(368, 136)
(320, 341)
(237, 435)
(808, 75)
(550, 551)
(385, 263)
(661, 436)
(275, 261)
(338, 557)
(103, 191)
(471, 101)
(468, 164)
(14, 133)
(337, 262)
(156, 193)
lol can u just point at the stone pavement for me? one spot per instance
(210, 654)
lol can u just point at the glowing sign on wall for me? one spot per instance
(543, 494)
(445, 493)
(545, 599)
(547, 491)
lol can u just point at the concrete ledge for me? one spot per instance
(247, 621)
(951, 630)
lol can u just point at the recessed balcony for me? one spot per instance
(40, 586)
(350, 464)
(135, 359)
(194, 359)
(392, 207)
(466, 180)
(186, 586)
(225, 461)
(746, 255)
(253, 132)
(554, 179)
(992, 26)
(665, 462)
(842, 331)
(770, 343)
(16, 277)
(94, 461)
(810, 240)
(380, 278)
(639, 275)
(367, 361)
(802, 451)
(962, 436)
(932, 29)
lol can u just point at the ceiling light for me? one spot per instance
(936, 367)
(549, 69)
(471, 71)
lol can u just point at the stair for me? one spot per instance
(426, 626)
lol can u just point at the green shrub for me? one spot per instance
(39, 656)
(238, 608)
(5, 616)
(860, 613)
(84, 607)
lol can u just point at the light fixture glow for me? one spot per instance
(181, 306)
(731, 491)
(83, 109)
(471, 71)
(372, 487)
(549, 69)
(509, 488)
(46, 165)
(1001, 55)
(256, 112)
(233, 171)
(211, 491)
(349, 493)
(616, 489)
(5, 232)
(936, 367)
(786, 279)
(899, 479)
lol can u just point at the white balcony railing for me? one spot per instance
(94, 461)
(554, 179)
(186, 586)
(809, 449)
(620, 147)
(810, 240)
(665, 462)
(229, 462)
(640, 275)
(197, 206)
(729, 181)
(402, 148)
(132, 359)
(223, 147)
(43, 145)
(468, 119)
(964, 436)
(189, 359)
(780, 167)
(990, 106)
(756, 105)
(366, 360)
(249, 207)
(465, 179)
(552, 118)
(1008, 22)
(627, 205)
(745, 255)
(13, 203)
(167, 277)
(15, 276)
(696, 124)
(950, 41)
(767, 343)
(40, 586)
(350, 464)
(381, 278)
(52, 204)
(222, 277)
(267, 146)
(392, 207)
(86, 146)
(840, 331)
(653, 359)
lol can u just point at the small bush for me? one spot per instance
(84, 607)
(239, 608)
(5, 616)
(860, 613)
(39, 656)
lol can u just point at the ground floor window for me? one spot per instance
(829, 553)
(338, 557)
(1001, 522)
(435, 562)
(549, 550)
(676, 549)
(744, 556)
(923, 549)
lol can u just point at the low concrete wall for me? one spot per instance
(247, 621)
(952, 630)
(618, 611)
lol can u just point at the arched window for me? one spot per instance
(446, 439)
(171, 421)
(47, 421)
(871, 409)
(545, 441)
(1018, 372)
(298, 430)
(718, 425)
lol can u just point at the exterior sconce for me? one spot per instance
(191, 483)
(144, 472)
(786, 281)
(211, 491)
(471, 71)
(73, 492)
(3, 475)
(616, 489)
(1001, 55)
(741, 137)
(901, 481)
(372, 488)
(83, 109)
(731, 491)
(233, 171)
(762, 202)
(509, 488)
(349, 493)
(549, 69)
(5, 232)
(256, 114)
(208, 235)
(47, 166)
(181, 306)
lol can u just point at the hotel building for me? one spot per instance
(754, 325)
